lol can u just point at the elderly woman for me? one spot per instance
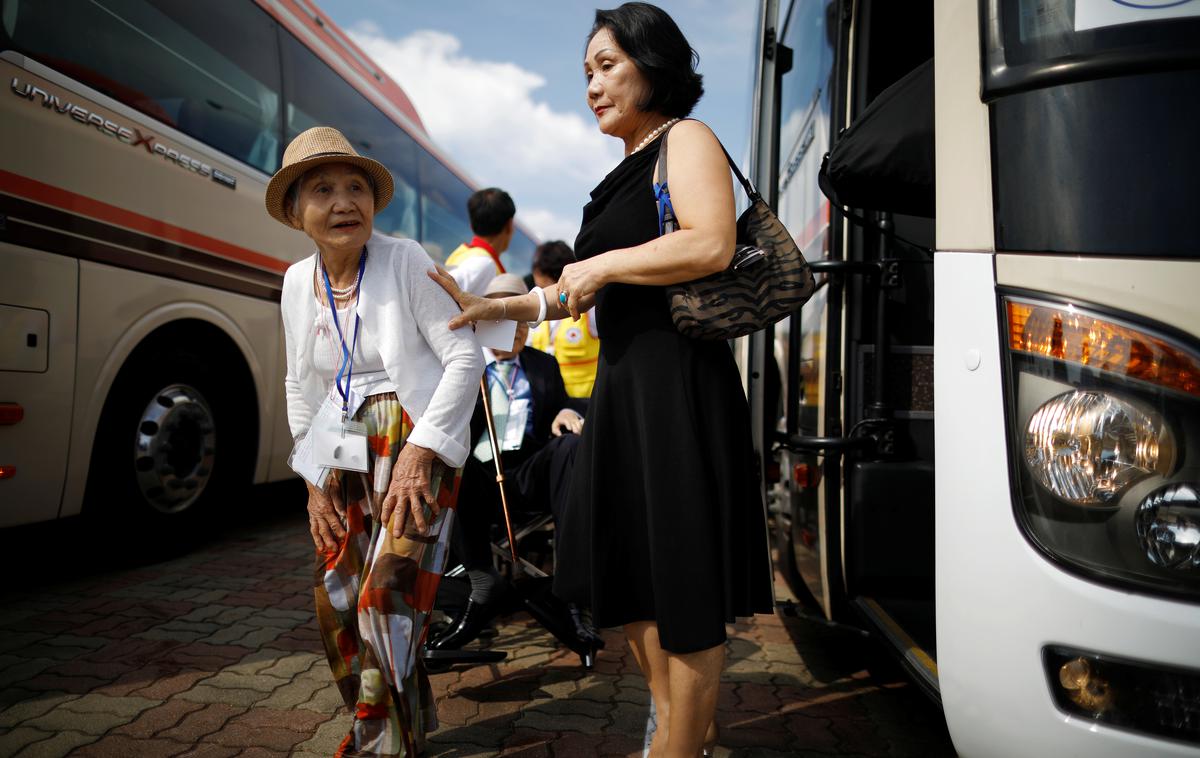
(379, 393)
(674, 544)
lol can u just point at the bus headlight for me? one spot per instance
(1168, 524)
(1103, 418)
(1086, 447)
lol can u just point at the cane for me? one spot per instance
(491, 426)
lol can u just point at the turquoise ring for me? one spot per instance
(562, 298)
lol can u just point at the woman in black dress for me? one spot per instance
(664, 532)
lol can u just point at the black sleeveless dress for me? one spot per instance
(664, 520)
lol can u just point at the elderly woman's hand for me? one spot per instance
(474, 308)
(410, 489)
(325, 512)
(580, 281)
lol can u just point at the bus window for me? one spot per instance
(207, 69)
(807, 84)
(804, 124)
(444, 225)
(518, 258)
(317, 96)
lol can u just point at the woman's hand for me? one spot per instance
(580, 281)
(325, 512)
(474, 308)
(410, 490)
(567, 421)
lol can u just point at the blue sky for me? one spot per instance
(500, 87)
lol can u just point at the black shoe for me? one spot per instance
(466, 627)
(581, 620)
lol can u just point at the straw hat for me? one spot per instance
(506, 284)
(323, 144)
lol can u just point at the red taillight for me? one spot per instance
(806, 476)
(8, 472)
(10, 413)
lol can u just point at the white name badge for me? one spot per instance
(514, 427)
(302, 463)
(338, 444)
(498, 335)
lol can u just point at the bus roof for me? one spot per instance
(297, 14)
(308, 23)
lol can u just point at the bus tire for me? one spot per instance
(168, 452)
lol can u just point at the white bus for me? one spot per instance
(141, 355)
(987, 437)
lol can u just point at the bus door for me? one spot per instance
(859, 385)
(887, 355)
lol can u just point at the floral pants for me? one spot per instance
(374, 594)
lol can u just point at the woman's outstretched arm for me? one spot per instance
(516, 308)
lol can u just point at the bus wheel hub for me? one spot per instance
(173, 454)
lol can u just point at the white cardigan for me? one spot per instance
(436, 371)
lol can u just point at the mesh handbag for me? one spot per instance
(767, 279)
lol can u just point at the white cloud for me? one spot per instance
(549, 225)
(487, 117)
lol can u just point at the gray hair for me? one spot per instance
(291, 198)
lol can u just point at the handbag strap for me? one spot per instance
(662, 194)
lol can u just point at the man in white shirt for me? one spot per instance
(474, 264)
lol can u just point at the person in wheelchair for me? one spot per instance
(538, 425)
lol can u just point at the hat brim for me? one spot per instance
(506, 293)
(280, 183)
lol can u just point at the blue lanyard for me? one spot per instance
(347, 366)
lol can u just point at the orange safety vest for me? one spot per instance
(577, 351)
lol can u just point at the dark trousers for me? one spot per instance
(536, 481)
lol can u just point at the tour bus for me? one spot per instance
(985, 434)
(141, 352)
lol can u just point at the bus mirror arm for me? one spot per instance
(888, 269)
(834, 267)
(808, 444)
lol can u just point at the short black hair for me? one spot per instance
(490, 209)
(552, 257)
(661, 53)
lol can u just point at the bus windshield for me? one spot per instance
(1042, 30)
(1093, 112)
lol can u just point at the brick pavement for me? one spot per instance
(216, 654)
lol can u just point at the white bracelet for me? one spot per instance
(541, 306)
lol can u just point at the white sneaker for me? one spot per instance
(651, 728)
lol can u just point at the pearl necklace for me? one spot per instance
(340, 292)
(650, 137)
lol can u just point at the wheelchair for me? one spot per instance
(523, 555)
(527, 587)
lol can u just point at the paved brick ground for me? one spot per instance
(216, 654)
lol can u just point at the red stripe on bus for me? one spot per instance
(31, 189)
(819, 221)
